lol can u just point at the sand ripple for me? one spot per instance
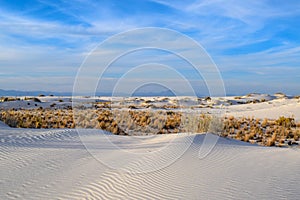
(54, 164)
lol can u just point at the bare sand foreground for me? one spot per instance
(54, 164)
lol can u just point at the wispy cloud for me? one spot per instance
(230, 23)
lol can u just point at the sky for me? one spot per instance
(254, 44)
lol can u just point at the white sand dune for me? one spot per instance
(54, 164)
(3, 125)
(271, 110)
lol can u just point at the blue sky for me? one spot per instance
(255, 44)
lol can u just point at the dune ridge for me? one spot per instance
(54, 164)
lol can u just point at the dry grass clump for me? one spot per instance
(130, 122)
(6, 99)
(103, 104)
(204, 123)
(173, 120)
(35, 99)
(37, 118)
(147, 122)
(283, 131)
(200, 123)
(286, 122)
(99, 119)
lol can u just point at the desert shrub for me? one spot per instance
(238, 134)
(296, 135)
(264, 123)
(35, 99)
(6, 99)
(207, 98)
(286, 122)
(270, 142)
(252, 135)
(247, 138)
(204, 123)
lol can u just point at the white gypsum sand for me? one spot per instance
(271, 110)
(54, 164)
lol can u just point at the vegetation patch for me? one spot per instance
(282, 132)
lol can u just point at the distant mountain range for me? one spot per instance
(37, 93)
(31, 93)
(143, 93)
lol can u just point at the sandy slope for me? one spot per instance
(54, 164)
(3, 125)
(271, 110)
